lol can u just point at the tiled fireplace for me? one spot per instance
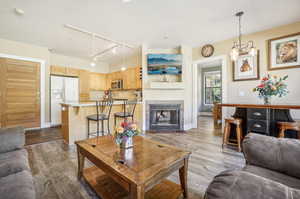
(164, 115)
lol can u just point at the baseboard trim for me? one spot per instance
(188, 126)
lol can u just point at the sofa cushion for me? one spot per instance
(245, 185)
(17, 186)
(273, 175)
(278, 154)
(11, 139)
(13, 162)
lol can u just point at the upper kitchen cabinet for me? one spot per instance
(138, 76)
(72, 72)
(58, 70)
(84, 85)
(65, 71)
(97, 81)
(131, 78)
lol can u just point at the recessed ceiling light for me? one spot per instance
(126, 1)
(19, 11)
(123, 68)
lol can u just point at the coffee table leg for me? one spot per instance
(183, 178)
(80, 158)
(137, 192)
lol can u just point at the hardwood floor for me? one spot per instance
(42, 135)
(54, 164)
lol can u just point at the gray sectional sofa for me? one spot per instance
(16, 181)
(272, 171)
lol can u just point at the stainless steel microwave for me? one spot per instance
(117, 84)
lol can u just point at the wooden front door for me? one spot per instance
(20, 93)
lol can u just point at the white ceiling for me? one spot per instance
(189, 22)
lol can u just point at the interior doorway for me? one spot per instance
(209, 86)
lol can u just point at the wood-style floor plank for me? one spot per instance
(54, 164)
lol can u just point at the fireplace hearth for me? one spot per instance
(164, 115)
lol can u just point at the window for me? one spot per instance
(212, 90)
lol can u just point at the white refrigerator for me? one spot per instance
(63, 90)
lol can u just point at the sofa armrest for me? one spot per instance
(11, 139)
(241, 184)
(278, 154)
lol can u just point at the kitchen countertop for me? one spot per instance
(85, 104)
(269, 106)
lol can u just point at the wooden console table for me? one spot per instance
(135, 173)
(262, 118)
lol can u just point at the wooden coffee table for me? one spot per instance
(136, 173)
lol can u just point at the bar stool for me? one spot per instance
(128, 110)
(227, 130)
(283, 126)
(103, 110)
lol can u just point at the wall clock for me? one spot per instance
(207, 50)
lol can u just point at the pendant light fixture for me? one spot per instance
(240, 48)
(123, 68)
(94, 59)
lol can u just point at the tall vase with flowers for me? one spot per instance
(271, 86)
(125, 133)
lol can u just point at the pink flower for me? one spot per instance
(261, 86)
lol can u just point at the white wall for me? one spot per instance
(241, 91)
(128, 62)
(176, 94)
(32, 51)
(74, 62)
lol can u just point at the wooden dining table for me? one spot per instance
(263, 118)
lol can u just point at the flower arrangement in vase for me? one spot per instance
(125, 133)
(271, 86)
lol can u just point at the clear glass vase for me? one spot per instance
(267, 100)
(127, 142)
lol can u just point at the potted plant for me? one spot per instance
(271, 86)
(125, 133)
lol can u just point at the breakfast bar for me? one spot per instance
(74, 119)
(262, 119)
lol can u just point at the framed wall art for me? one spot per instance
(284, 52)
(246, 67)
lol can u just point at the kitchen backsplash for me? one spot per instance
(96, 95)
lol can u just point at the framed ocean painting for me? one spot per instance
(164, 64)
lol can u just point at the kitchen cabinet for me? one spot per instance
(84, 85)
(97, 81)
(138, 76)
(58, 70)
(131, 78)
(73, 72)
(65, 71)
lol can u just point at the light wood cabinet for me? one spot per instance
(84, 85)
(58, 70)
(97, 81)
(138, 77)
(66, 71)
(131, 78)
(72, 72)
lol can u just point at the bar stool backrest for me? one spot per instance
(129, 106)
(104, 108)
